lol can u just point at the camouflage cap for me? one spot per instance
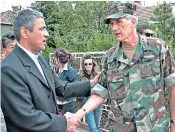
(118, 10)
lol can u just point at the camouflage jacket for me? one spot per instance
(137, 87)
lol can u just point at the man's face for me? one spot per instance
(122, 28)
(10, 47)
(37, 38)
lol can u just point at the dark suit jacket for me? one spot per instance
(28, 101)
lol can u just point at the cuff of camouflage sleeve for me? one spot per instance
(100, 90)
(170, 80)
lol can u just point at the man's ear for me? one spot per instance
(3, 50)
(24, 32)
(134, 22)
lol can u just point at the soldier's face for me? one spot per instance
(122, 28)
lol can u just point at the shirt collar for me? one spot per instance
(65, 67)
(138, 52)
(32, 56)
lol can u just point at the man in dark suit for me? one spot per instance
(29, 86)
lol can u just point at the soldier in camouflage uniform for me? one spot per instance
(136, 71)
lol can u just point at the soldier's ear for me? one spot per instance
(24, 32)
(134, 21)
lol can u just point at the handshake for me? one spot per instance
(74, 120)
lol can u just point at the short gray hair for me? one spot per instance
(128, 17)
(25, 18)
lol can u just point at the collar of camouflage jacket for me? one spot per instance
(119, 55)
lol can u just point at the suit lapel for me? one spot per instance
(46, 70)
(48, 75)
(35, 71)
(28, 62)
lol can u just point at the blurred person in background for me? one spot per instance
(145, 30)
(89, 69)
(8, 43)
(65, 72)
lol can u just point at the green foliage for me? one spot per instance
(163, 12)
(77, 26)
(47, 51)
(166, 29)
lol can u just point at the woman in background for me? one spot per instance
(88, 71)
(65, 72)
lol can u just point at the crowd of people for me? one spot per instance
(134, 76)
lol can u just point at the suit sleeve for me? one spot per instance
(16, 98)
(74, 89)
(68, 90)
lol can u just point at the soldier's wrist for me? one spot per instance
(80, 113)
(84, 111)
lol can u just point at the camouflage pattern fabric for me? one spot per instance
(137, 87)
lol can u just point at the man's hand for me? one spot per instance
(79, 114)
(72, 122)
(95, 80)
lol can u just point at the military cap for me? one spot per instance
(119, 9)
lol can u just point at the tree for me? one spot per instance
(77, 26)
(166, 29)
